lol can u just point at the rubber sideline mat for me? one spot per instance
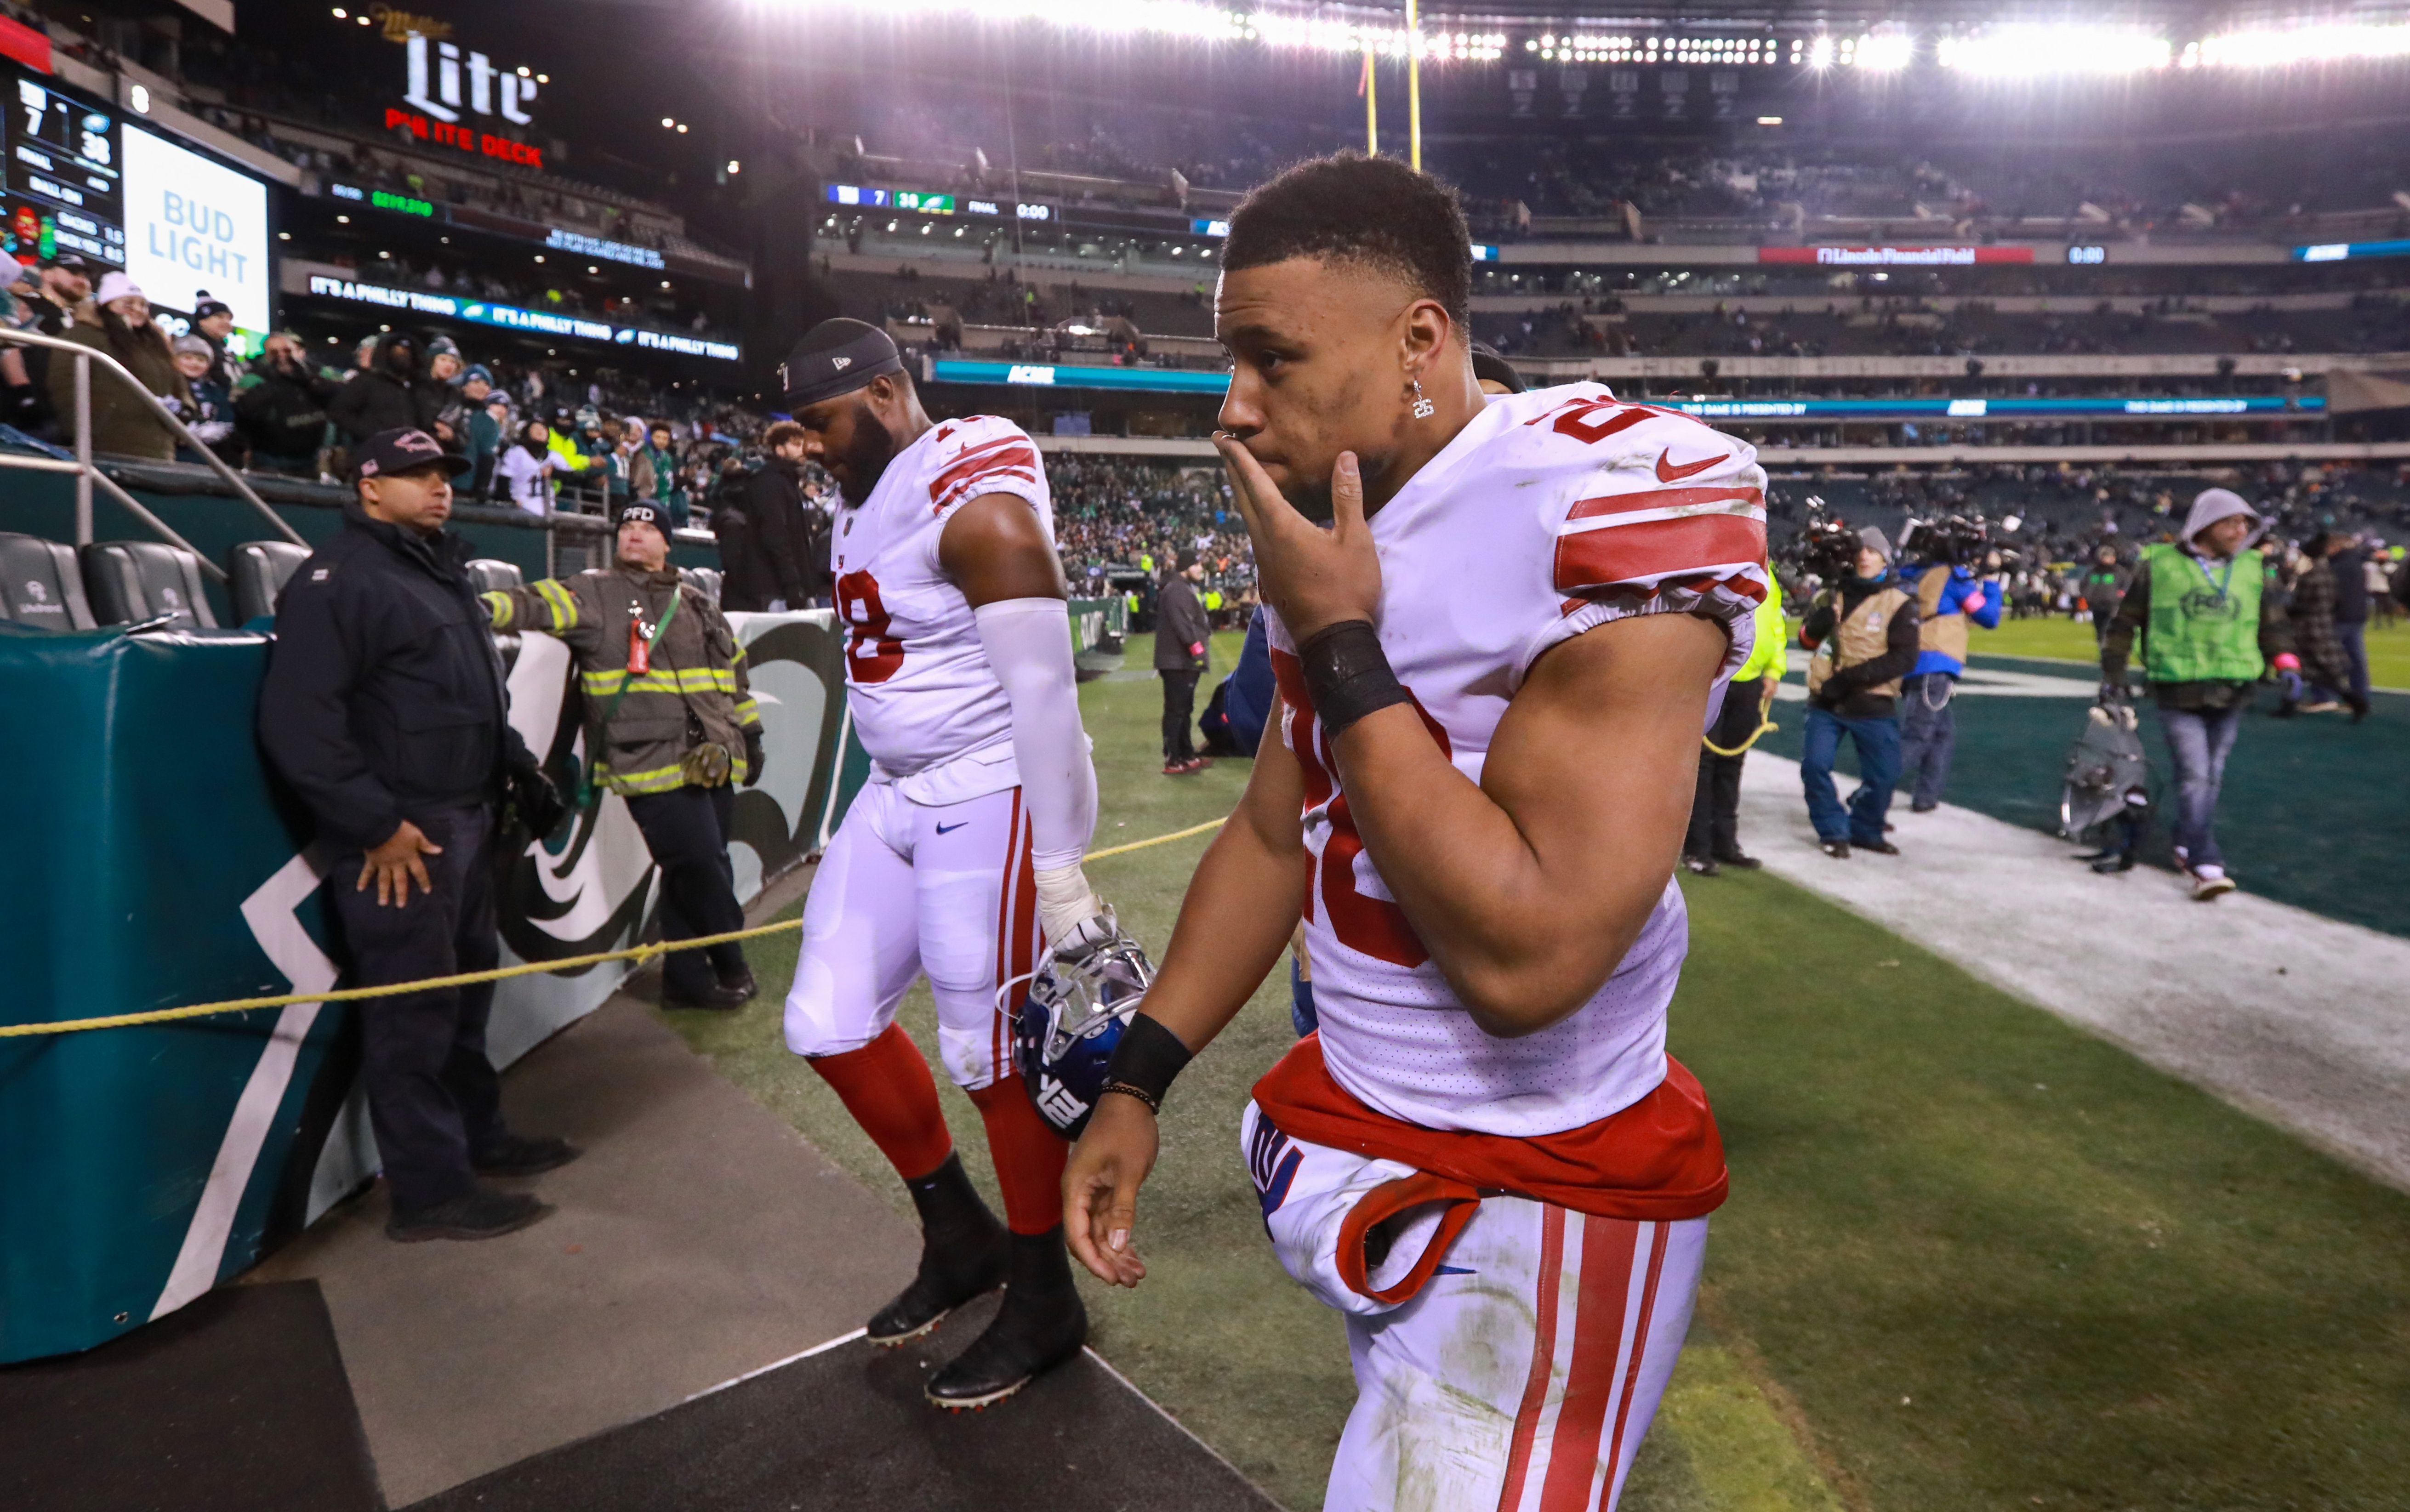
(847, 1427)
(238, 1402)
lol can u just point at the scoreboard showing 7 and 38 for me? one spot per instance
(65, 189)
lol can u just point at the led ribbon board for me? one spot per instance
(541, 322)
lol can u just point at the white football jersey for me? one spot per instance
(917, 676)
(1553, 511)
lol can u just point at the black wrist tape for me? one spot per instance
(1145, 1059)
(1347, 675)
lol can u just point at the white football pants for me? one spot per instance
(906, 888)
(1524, 1373)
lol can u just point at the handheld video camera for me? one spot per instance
(1951, 541)
(1825, 545)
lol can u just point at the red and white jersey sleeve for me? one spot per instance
(1554, 512)
(916, 677)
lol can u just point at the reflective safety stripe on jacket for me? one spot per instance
(693, 691)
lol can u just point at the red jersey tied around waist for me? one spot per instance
(1661, 1159)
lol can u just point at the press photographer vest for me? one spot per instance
(1935, 631)
(2204, 624)
(1862, 634)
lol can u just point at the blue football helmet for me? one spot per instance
(1066, 1030)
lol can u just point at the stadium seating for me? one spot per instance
(133, 581)
(489, 575)
(41, 585)
(256, 573)
(704, 578)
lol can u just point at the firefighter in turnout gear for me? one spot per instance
(670, 726)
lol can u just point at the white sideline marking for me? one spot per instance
(2322, 1049)
(821, 1348)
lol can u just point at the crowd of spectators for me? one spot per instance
(1893, 327)
(539, 435)
(1116, 516)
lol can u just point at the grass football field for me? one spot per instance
(1973, 1257)
(2070, 640)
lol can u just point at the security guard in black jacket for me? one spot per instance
(384, 706)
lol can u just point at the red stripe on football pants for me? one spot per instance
(1029, 1155)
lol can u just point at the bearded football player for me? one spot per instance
(961, 859)
(1498, 626)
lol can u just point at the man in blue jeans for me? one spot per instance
(1949, 598)
(1863, 630)
(2208, 632)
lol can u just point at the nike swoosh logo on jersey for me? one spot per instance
(1687, 469)
(949, 829)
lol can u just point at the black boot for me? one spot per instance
(963, 1255)
(1040, 1325)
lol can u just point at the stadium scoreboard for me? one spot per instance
(923, 202)
(65, 182)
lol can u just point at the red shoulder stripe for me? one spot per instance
(1624, 503)
(1654, 549)
(1010, 453)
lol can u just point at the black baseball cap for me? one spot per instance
(72, 261)
(836, 356)
(404, 451)
(1489, 367)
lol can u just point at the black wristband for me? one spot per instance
(1145, 1059)
(1347, 675)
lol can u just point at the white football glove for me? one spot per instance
(1076, 920)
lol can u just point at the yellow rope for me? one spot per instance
(1175, 834)
(467, 979)
(1743, 745)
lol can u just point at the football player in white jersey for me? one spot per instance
(1493, 669)
(963, 849)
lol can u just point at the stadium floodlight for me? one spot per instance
(2294, 45)
(2028, 51)
(1820, 52)
(1326, 28)
(1878, 51)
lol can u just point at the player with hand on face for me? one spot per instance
(962, 850)
(1493, 668)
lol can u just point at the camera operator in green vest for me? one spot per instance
(670, 727)
(1863, 632)
(2210, 632)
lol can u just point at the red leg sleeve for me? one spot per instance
(887, 1088)
(1029, 1156)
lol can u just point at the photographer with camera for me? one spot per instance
(1863, 630)
(1949, 596)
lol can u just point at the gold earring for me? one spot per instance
(1424, 409)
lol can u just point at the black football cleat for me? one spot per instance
(1041, 1324)
(963, 1255)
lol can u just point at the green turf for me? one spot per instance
(2098, 1289)
(2000, 1264)
(2304, 816)
(2070, 640)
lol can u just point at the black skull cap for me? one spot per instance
(836, 356)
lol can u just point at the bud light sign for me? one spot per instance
(192, 224)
